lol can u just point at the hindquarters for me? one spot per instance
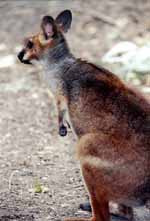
(115, 167)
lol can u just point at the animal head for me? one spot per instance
(50, 37)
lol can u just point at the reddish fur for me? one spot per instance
(113, 126)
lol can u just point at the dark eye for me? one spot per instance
(30, 44)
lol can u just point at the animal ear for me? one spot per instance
(47, 26)
(64, 19)
(49, 30)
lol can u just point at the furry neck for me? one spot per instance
(58, 56)
(56, 62)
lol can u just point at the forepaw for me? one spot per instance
(85, 207)
(62, 131)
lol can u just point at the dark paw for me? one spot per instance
(62, 131)
(86, 207)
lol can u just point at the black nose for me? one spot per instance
(20, 57)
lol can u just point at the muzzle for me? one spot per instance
(20, 57)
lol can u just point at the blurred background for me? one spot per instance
(40, 178)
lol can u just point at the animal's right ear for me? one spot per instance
(64, 19)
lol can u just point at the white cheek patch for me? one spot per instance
(35, 62)
(26, 56)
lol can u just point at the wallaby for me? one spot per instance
(111, 121)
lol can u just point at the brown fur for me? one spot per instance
(112, 123)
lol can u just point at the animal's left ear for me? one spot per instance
(64, 19)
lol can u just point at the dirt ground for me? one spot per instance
(32, 155)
